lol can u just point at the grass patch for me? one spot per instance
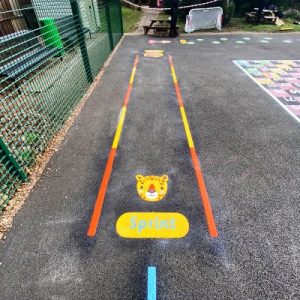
(130, 19)
(240, 24)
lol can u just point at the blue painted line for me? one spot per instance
(151, 288)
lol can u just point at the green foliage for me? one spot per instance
(292, 13)
(229, 9)
(243, 6)
(130, 18)
(30, 139)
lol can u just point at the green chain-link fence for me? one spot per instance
(46, 66)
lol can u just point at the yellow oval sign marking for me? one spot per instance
(152, 225)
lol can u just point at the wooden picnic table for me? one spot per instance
(162, 27)
(160, 21)
(268, 16)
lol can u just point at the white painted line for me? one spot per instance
(216, 42)
(246, 38)
(200, 40)
(240, 42)
(259, 84)
(264, 41)
(224, 39)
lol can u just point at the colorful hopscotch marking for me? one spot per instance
(152, 225)
(152, 188)
(279, 78)
(151, 283)
(152, 42)
(154, 53)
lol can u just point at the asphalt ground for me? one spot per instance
(248, 147)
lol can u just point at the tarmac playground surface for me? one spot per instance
(215, 123)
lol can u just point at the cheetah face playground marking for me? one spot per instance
(152, 188)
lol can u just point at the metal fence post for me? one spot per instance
(108, 21)
(9, 159)
(80, 34)
(121, 17)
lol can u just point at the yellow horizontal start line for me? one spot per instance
(156, 225)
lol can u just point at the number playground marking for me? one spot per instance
(279, 78)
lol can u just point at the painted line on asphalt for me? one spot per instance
(111, 157)
(151, 283)
(212, 228)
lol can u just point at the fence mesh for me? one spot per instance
(45, 69)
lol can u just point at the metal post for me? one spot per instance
(121, 17)
(80, 34)
(108, 21)
(9, 159)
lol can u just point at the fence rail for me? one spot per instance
(45, 70)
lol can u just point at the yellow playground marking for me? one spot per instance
(152, 188)
(119, 128)
(183, 42)
(187, 128)
(154, 53)
(152, 225)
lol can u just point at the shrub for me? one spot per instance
(292, 13)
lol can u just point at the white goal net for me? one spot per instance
(204, 18)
